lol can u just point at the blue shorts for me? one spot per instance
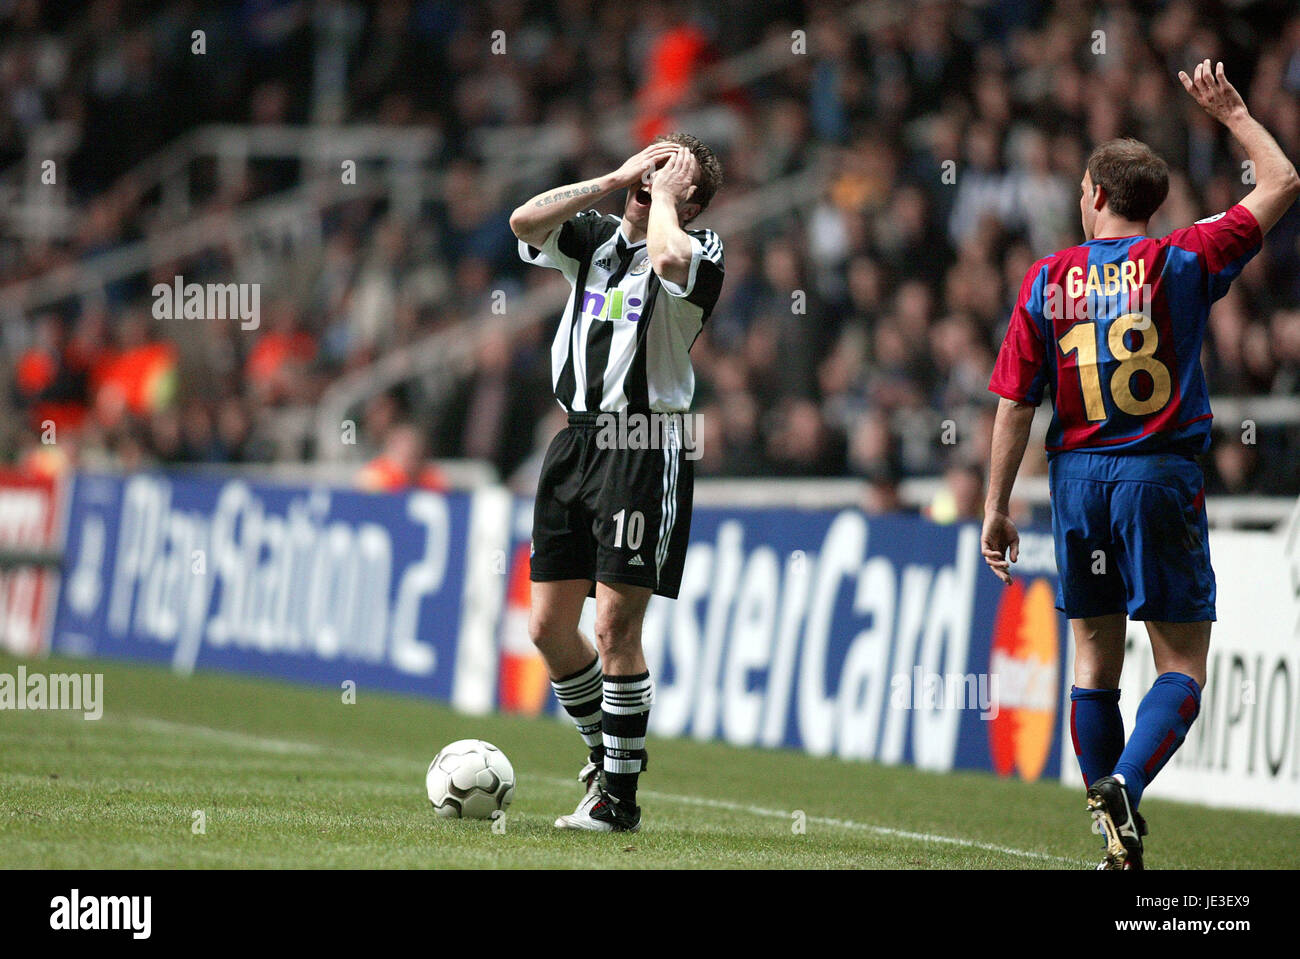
(1131, 536)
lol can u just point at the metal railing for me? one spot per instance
(1227, 512)
(399, 151)
(171, 174)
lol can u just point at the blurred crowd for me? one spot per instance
(853, 338)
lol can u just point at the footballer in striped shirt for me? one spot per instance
(613, 510)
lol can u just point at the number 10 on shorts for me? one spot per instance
(635, 526)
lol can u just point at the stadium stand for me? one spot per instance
(895, 184)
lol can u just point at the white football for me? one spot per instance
(470, 779)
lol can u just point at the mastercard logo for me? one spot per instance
(523, 682)
(1023, 658)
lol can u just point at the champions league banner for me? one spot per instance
(825, 631)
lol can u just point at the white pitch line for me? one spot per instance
(268, 744)
(228, 736)
(768, 813)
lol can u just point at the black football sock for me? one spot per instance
(626, 711)
(580, 694)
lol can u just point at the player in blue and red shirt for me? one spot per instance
(1114, 327)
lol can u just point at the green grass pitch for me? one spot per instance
(289, 776)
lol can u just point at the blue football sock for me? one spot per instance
(1164, 716)
(1097, 730)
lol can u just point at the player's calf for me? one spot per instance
(580, 694)
(1164, 717)
(628, 689)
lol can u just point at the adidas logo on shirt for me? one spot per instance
(635, 561)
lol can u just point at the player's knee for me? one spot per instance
(544, 630)
(615, 632)
(1097, 675)
(1097, 668)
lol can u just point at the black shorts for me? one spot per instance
(610, 513)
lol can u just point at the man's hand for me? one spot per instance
(534, 221)
(668, 245)
(639, 166)
(1211, 89)
(1000, 544)
(1276, 183)
(675, 181)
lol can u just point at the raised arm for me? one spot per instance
(534, 220)
(1276, 182)
(667, 244)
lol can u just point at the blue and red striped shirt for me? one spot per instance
(1115, 327)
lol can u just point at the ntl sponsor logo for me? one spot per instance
(102, 913)
(610, 307)
(651, 431)
(74, 691)
(211, 301)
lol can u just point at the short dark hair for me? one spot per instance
(710, 167)
(1134, 177)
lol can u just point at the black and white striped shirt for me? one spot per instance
(624, 340)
